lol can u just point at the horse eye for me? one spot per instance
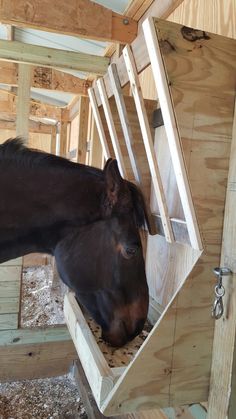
(129, 252)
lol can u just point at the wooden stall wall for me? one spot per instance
(38, 141)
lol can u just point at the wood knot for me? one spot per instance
(193, 35)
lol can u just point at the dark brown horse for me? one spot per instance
(89, 219)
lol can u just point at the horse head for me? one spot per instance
(103, 263)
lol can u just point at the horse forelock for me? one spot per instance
(139, 207)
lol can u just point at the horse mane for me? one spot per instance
(14, 150)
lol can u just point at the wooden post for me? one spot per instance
(23, 101)
(83, 129)
(63, 135)
(222, 402)
(53, 139)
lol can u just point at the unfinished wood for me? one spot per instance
(53, 140)
(221, 389)
(36, 360)
(111, 127)
(8, 103)
(121, 107)
(45, 78)
(36, 335)
(51, 57)
(99, 124)
(95, 156)
(161, 9)
(213, 16)
(98, 373)
(171, 128)
(9, 304)
(177, 368)
(36, 127)
(63, 18)
(23, 101)
(83, 130)
(8, 321)
(85, 392)
(148, 142)
(12, 262)
(136, 8)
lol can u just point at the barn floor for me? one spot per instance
(50, 398)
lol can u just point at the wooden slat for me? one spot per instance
(148, 142)
(111, 127)
(172, 132)
(57, 16)
(179, 228)
(83, 130)
(50, 57)
(121, 107)
(98, 373)
(99, 125)
(12, 262)
(9, 304)
(35, 335)
(53, 140)
(11, 272)
(8, 321)
(36, 360)
(222, 389)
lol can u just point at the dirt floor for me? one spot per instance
(50, 398)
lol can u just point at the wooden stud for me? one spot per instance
(53, 139)
(222, 401)
(83, 130)
(172, 131)
(148, 142)
(99, 125)
(23, 101)
(51, 57)
(111, 127)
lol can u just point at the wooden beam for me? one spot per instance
(81, 18)
(222, 402)
(63, 137)
(35, 127)
(23, 101)
(50, 57)
(53, 140)
(45, 78)
(36, 353)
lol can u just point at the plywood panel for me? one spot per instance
(215, 16)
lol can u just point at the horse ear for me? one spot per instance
(107, 164)
(113, 181)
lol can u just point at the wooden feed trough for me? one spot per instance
(182, 169)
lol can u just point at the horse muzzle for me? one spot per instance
(128, 322)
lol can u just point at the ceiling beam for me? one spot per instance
(82, 18)
(50, 57)
(45, 78)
